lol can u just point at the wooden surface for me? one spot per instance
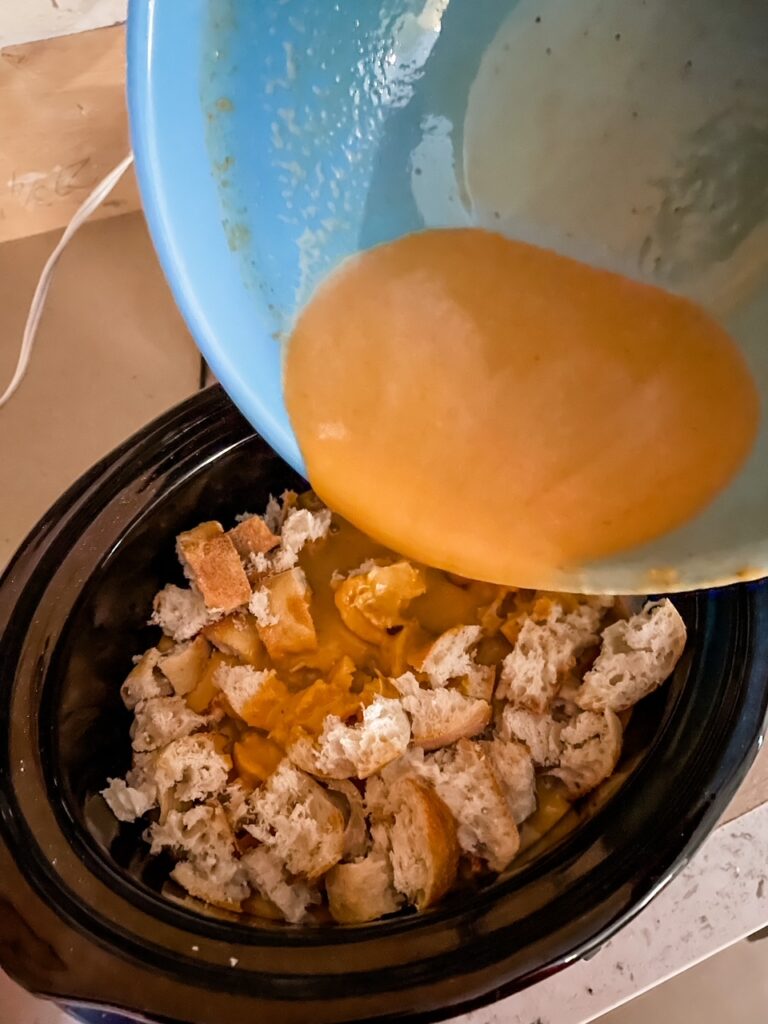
(63, 126)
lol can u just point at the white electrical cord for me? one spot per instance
(84, 211)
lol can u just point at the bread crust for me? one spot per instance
(436, 839)
(362, 891)
(213, 565)
(252, 536)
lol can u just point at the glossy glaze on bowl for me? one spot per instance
(82, 918)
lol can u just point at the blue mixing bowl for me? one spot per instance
(274, 139)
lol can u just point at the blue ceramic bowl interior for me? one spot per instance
(274, 140)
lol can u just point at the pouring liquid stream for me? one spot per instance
(503, 412)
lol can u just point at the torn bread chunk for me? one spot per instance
(591, 748)
(356, 839)
(193, 767)
(544, 606)
(540, 734)
(180, 612)
(278, 508)
(142, 774)
(293, 630)
(564, 705)
(545, 651)
(379, 788)
(513, 767)
(295, 818)
(257, 566)
(450, 657)
(160, 720)
(480, 683)
(252, 536)
(223, 884)
(260, 607)
(240, 684)
(363, 890)
(266, 872)
(126, 802)
(184, 665)
(338, 577)
(212, 564)
(346, 751)
(466, 782)
(201, 832)
(145, 680)
(237, 636)
(234, 799)
(424, 849)
(374, 601)
(259, 906)
(209, 869)
(636, 656)
(132, 797)
(440, 717)
(300, 527)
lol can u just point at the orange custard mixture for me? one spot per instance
(365, 629)
(499, 410)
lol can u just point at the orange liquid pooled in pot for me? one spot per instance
(499, 410)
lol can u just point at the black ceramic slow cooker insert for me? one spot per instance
(82, 917)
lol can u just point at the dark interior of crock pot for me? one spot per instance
(84, 721)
